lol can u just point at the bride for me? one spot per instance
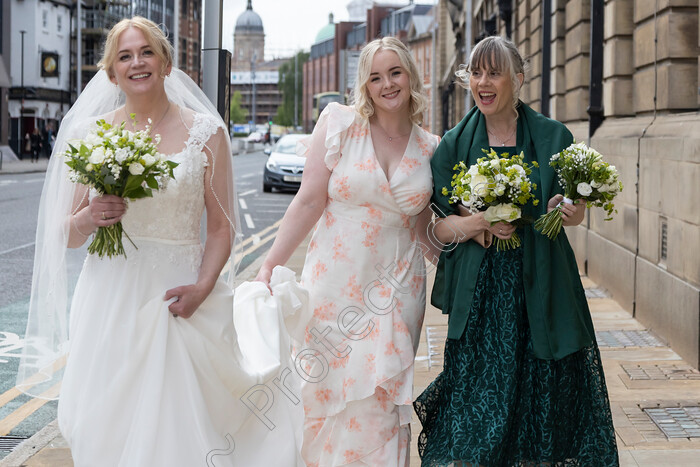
(156, 374)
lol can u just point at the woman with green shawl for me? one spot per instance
(522, 383)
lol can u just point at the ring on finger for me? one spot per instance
(103, 216)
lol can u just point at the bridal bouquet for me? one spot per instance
(497, 185)
(583, 175)
(116, 161)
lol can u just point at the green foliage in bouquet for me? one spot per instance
(497, 185)
(115, 161)
(582, 174)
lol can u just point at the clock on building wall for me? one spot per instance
(49, 65)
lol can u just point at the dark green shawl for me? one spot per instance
(557, 310)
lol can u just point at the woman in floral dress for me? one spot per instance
(366, 187)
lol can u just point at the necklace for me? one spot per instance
(503, 142)
(392, 138)
(153, 127)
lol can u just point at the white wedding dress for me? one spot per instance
(143, 388)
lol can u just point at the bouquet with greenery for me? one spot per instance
(497, 185)
(583, 175)
(116, 161)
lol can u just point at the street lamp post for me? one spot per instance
(252, 78)
(21, 107)
(296, 104)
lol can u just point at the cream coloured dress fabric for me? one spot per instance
(142, 388)
(365, 274)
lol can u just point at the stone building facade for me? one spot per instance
(623, 76)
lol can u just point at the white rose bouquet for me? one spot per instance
(583, 175)
(497, 185)
(116, 161)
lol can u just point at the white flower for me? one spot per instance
(136, 169)
(89, 167)
(519, 168)
(473, 170)
(114, 139)
(149, 160)
(584, 189)
(480, 185)
(595, 184)
(97, 156)
(495, 163)
(121, 155)
(502, 212)
(92, 139)
(138, 143)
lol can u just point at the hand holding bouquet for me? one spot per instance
(497, 185)
(116, 161)
(583, 175)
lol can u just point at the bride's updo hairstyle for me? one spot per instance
(495, 53)
(151, 32)
(360, 96)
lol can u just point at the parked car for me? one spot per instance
(255, 137)
(283, 168)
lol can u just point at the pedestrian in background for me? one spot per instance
(366, 187)
(36, 144)
(522, 382)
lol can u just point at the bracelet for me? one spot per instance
(75, 224)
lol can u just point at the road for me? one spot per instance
(20, 415)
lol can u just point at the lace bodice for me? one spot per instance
(173, 214)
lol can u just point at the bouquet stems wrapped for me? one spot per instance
(583, 175)
(116, 161)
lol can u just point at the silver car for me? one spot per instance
(283, 168)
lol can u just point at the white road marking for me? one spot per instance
(249, 221)
(243, 204)
(249, 175)
(256, 239)
(16, 248)
(246, 193)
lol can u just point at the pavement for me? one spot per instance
(645, 378)
(23, 166)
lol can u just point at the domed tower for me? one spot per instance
(248, 39)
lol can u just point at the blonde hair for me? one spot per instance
(151, 32)
(362, 100)
(495, 53)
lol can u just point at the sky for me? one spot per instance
(290, 25)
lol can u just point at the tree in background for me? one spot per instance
(238, 114)
(285, 112)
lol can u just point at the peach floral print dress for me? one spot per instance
(365, 274)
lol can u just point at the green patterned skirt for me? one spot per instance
(496, 404)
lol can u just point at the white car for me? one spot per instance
(283, 168)
(255, 137)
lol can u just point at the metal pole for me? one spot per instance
(252, 78)
(296, 77)
(176, 33)
(433, 76)
(21, 107)
(79, 52)
(210, 48)
(467, 47)
(595, 107)
(546, 57)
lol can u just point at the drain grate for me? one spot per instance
(677, 422)
(9, 443)
(435, 335)
(596, 292)
(627, 339)
(661, 372)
